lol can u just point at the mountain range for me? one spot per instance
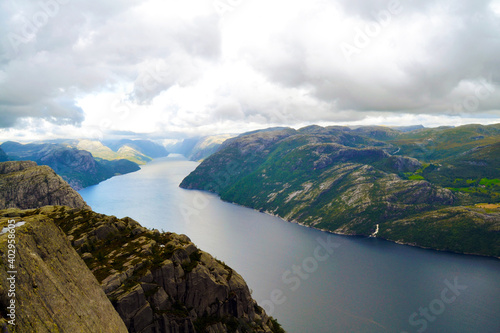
(198, 148)
(437, 188)
(84, 162)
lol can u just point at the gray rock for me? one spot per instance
(55, 291)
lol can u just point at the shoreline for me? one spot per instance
(346, 234)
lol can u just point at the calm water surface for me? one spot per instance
(360, 285)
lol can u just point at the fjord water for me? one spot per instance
(313, 281)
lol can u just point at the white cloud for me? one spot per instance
(183, 67)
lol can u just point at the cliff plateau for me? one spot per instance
(157, 282)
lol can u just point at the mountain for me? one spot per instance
(137, 151)
(146, 148)
(463, 159)
(346, 181)
(198, 148)
(434, 144)
(99, 150)
(77, 167)
(408, 128)
(24, 184)
(206, 146)
(80, 271)
(181, 146)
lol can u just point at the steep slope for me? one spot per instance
(54, 290)
(157, 282)
(77, 167)
(3, 156)
(340, 180)
(24, 185)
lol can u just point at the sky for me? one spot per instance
(171, 69)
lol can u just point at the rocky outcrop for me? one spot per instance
(24, 184)
(159, 282)
(54, 289)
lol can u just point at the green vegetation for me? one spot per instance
(276, 327)
(194, 259)
(489, 182)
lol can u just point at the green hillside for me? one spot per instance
(350, 181)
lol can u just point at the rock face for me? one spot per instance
(161, 282)
(24, 185)
(54, 290)
(158, 282)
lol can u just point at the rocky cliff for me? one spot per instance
(157, 282)
(24, 184)
(53, 290)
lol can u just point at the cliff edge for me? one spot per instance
(157, 282)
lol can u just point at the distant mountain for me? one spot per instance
(206, 146)
(199, 148)
(349, 181)
(145, 147)
(98, 150)
(408, 128)
(377, 132)
(182, 146)
(77, 167)
(434, 144)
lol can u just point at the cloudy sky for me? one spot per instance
(76, 68)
